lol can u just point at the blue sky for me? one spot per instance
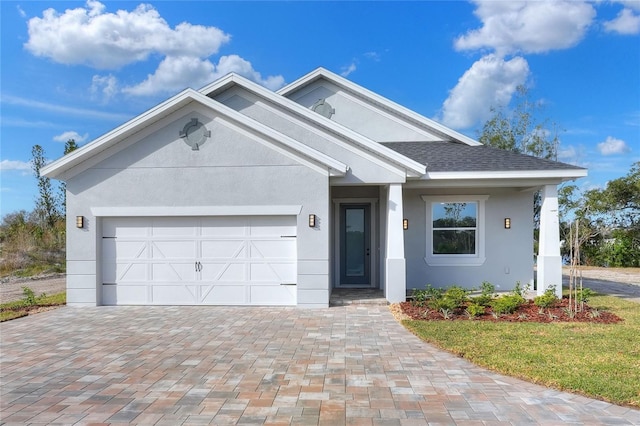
(80, 69)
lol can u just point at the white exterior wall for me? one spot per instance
(364, 167)
(230, 169)
(368, 120)
(508, 252)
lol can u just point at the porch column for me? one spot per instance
(549, 259)
(395, 268)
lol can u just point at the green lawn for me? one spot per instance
(600, 361)
(20, 308)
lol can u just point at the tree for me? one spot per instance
(69, 146)
(519, 130)
(609, 219)
(46, 208)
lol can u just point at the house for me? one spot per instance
(236, 195)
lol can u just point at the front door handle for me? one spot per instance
(367, 252)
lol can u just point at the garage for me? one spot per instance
(223, 260)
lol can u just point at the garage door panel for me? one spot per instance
(227, 295)
(224, 249)
(175, 294)
(123, 250)
(125, 295)
(174, 249)
(173, 272)
(273, 249)
(131, 227)
(125, 272)
(223, 271)
(224, 227)
(273, 273)
(190, 261)
(170, 227)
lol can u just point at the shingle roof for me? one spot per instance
(457, 157)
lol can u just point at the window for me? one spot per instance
(455, 231)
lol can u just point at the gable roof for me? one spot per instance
(412, 167)
(444, 132)
(447, 157)
(58, 168)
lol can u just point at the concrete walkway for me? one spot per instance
(225, 365)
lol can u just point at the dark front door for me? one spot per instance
(355, 245)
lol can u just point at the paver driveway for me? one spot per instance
(224, 365)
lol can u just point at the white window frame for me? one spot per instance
(476, 259)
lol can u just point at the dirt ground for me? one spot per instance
(11, 288)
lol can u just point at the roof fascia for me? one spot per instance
(412, 168)
(565, 174)
(376, 98)
(336, 168)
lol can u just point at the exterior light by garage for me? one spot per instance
(79, 221)
(507, 223)
(405, 224)
(312, 221)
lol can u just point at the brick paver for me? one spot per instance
(278, 366)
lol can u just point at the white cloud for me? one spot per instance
(348, 69)
(528, 27)
(613, 146)
(105, 85)
(6, 165)
(64, 137)
(491, 81)
(627, 23)
(177, 73)
(21, 12)
(90, 36)
(87, 35)
(374, 56)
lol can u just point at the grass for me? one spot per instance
(597, 360)
(20, 308)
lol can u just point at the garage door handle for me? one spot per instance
(198, 266)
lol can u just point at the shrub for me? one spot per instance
(452, 298)
(507, 304)
(474, 310)
(487, 293)
(585, 294)
(29, 297)
(421, 297)
(457, 294)
(520, 290)
(548, 299)
(442, 303)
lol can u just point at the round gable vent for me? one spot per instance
(195, 134)
(323, 108)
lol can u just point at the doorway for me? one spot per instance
(355, 246)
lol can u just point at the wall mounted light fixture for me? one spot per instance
(405, 224)
(312, 221)
(507, 223)
(79, 221)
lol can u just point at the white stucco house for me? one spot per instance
(236, 195)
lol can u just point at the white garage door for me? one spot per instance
(248, 260)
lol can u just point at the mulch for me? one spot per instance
(527, 312)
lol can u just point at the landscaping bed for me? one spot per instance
(527, 312)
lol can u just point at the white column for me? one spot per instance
(549, 259)
(395, 268)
